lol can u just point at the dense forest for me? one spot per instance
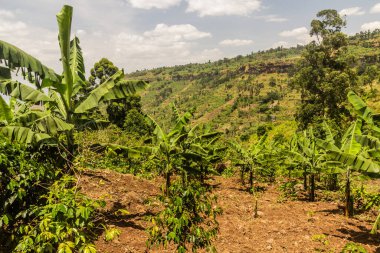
(277, 150)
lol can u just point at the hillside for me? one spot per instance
(239, 94)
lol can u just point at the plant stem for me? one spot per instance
(349, 208)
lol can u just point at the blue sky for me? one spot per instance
(139, 34)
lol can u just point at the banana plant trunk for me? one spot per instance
(304, 180)
(332, 182)
(167, 184)
(70, 146)
(349, 205)
(312, 188)
(251, 180)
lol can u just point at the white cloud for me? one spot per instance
(236, 42)
(353, 11)
(371, 26)
(223, 7)
(206, 55)
(294, 33)
(176, 32)
(274, 18)
(149, 4)
(284, 44)
(6, 14)
(299, 35)
(163, 45)
(375, 8)
(34, 40)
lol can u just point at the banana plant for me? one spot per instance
(353, 155)
(49, 107)
(364, 112)
(201, 151)
(371, 141)
(250, 160)
(305, 152)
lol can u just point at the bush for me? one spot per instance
(135, 123)
(65, 222)
(41, 210)
(22, 182)
(189, 218)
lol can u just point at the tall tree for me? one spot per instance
(323, 74)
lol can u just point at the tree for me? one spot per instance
(119, 110)
(323, 75)
(101, 71)
(251, 160)
(58, 112)
(349, 151)
(136, 123)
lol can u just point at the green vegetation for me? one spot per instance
(303, 117)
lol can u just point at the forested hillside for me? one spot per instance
(240, 94)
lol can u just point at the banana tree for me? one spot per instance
(201, 151)
(47, 106)
(371, 140)
(353, 155)
(364, 112)
(305, 152)
(250, 160)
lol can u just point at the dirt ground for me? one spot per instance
(282, 226)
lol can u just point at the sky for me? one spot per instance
(144, 34)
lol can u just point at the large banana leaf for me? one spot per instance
(357, 162)
(24, 135)
(44, 122)
(17, 58)
(349, 143)
(97, 94)
(5, 111)
(64, 19)
(124, 88)
(159, 134)
(58, 102)
(77, 65)
(368, 141)
(22, 92)
(363, 111)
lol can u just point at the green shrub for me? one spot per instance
(65, 222)
(189, 218)
(40, 209)
(22, 181)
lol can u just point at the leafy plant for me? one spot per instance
(352, 247)
(60, 111)
(111, 234)
(188, 220)
(65, 222)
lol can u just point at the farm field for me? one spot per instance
(201, 145)
(281, 226)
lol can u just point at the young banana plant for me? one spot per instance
(370, 141)
(353, 155)
(250, 160)
(310, 158)
(50, 107)
(202, 152)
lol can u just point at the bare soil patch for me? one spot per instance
(291, 226)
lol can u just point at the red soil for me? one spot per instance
(291, 226)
